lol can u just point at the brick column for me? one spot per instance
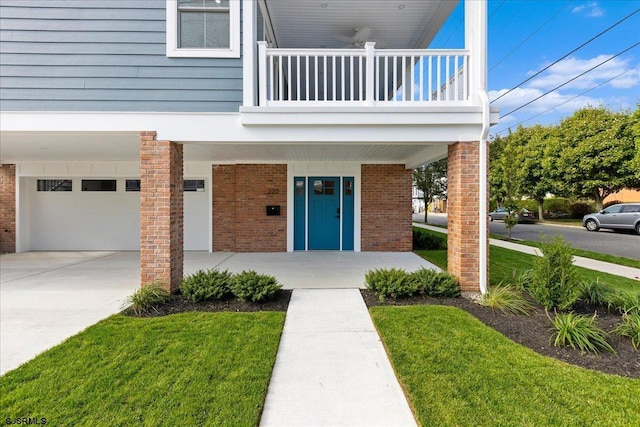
(386, 208)
(161, 212)
(463, 214)
(224, 208)
(7, 208)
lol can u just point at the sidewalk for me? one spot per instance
(331, 368)
(591, 264)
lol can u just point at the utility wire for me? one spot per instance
(574, 50)
(569, 81)
(530, 36)
(562, 103)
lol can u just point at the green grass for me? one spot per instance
(614, 259)
(458, 372)
(563, 221)
(503, 262)
(183, 369)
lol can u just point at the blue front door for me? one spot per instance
(324, 213)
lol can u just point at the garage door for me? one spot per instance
(101, 214)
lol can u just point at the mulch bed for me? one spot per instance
(531, 331)
(534, 332)
(179, 304)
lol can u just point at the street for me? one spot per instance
(625, 244)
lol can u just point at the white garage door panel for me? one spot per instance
(88, 220)
(196, 220)
(83, 220)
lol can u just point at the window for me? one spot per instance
(203, 28)
(54, 185)
(132, 185)
(98, 185)
(323, 187)
(194, 185)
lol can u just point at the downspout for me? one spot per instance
(484, 137)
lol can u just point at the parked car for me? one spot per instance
(623, 216)
(524, 215)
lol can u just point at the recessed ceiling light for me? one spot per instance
(400, 6)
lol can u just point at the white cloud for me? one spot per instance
(553, 103)
(571, 67)
(591, 9)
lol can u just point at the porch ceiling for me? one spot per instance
(395, 24)
(124, 146)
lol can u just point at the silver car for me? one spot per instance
(623, 216)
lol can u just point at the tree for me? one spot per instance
(508, 168)
(431, 179)
(596, 151)
(532, 172)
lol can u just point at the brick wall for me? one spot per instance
(7, 208)
(161, 212)
(463, 214)
(241, 194)
(386, 208)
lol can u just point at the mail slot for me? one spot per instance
(273, 210)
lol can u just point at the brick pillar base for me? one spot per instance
(7, 208)
(463, 217)
(161, 212)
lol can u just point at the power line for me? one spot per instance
(569, 81)
(529, 37)
(574, 50)
(562, 103)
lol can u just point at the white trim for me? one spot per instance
(234, 35)
(249, 82)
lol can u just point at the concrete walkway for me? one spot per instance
(591, 264)
(331, 368)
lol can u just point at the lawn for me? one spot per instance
(458, 372)
(503, 262)
(184, 369)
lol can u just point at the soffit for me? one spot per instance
(395, 24)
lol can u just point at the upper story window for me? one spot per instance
(203, 28)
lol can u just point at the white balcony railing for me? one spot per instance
(361, 77)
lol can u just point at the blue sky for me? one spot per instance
(527, 35)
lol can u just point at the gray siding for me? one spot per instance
(104, 55)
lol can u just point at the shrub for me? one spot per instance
(624, 302)
(392, 283)
(630, 327)
(554, 283)
(596, 293)
(580, 209)
(556, 205)
(206, 284)
(146, 299)
(580, 332)
(424, 240)
(506, 299)
(254, 287)
(435, 283)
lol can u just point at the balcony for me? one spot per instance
(366, 77)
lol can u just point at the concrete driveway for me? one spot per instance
(46, 297)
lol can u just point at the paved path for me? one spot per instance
(331, 368)
(591, 264)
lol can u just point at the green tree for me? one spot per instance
(595, 154)
(532, 173)
(431, 179)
